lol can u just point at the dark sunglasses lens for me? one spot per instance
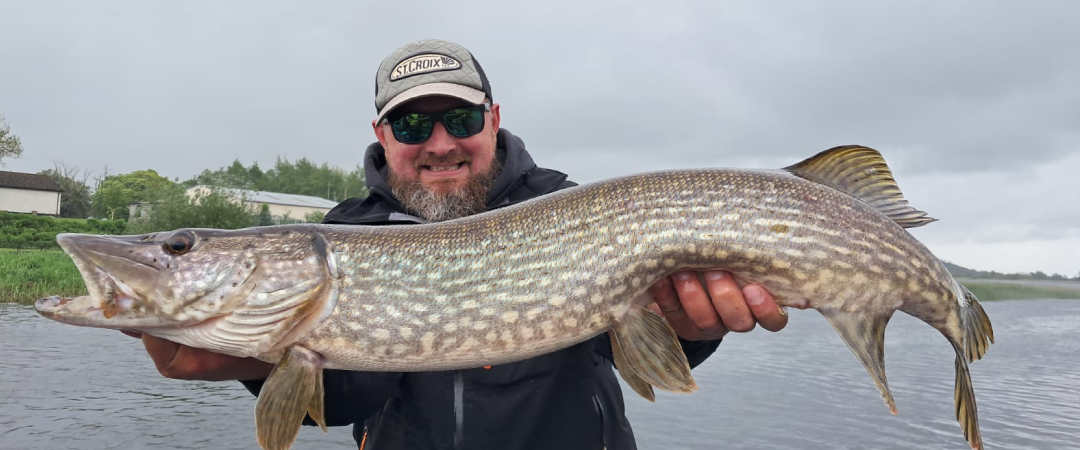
(464, 122)
(412, 128)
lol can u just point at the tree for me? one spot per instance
(116, 192)
(175, 209)
(255, 175)
(10, 146)
(300, 177)
(264, 218)
(75, 200)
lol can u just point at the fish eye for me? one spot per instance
(179, 243)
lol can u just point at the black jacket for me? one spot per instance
(569, 399)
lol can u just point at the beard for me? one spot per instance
(437, 205)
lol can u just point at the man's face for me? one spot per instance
(443, 177)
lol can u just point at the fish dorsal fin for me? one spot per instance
(862, 173)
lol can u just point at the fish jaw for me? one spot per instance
(84, 311)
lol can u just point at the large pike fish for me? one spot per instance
(827, 233)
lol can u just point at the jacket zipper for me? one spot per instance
(600, 414)
(459, 411)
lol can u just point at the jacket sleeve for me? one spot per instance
(350, 397)
(698, 351)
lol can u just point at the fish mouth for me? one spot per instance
(87, 310)
(84, 312)
(81, 311)
(104, 262)
(49, 305)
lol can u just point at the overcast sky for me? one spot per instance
(975, 104)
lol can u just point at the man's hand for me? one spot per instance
(187, 363)
(709, 312)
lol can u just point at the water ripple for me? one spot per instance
(69, 387)
(802, 388)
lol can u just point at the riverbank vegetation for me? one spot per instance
(26, 276)
(30, 229)
(159, 203)
(990, 290)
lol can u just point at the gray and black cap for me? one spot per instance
(425, 68)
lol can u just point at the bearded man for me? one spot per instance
(441, 154)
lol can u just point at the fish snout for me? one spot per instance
(51, 304)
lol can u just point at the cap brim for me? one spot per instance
(466, 93)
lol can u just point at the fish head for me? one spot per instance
(184, 277)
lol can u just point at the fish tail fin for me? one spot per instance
(975, 338)
(978, 332)
(967, 414)
(864, 334)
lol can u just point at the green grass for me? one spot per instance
(29, 275)
(990, 290)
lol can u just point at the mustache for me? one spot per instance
(451, 158)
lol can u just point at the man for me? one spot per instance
(441, 155)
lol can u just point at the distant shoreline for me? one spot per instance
(989, 289)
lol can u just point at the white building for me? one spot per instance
(29, 193)
(280, 205)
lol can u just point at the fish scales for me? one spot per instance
(568, 248)
(532, 278)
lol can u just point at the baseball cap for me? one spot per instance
(425, 68)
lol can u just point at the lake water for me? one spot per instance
(80, 388)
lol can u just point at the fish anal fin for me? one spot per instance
(651, 349)
(862, 173)
(864, 334)
(642, 387)
(287, 396)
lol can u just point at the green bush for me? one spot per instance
(28, 228)
(175, 209)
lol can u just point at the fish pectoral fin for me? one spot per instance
(649, 347)
(864, 334)
(639, 385)
(293, 389)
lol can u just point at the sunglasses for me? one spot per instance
(416, 127)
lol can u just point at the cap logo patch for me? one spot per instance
(425, 63)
